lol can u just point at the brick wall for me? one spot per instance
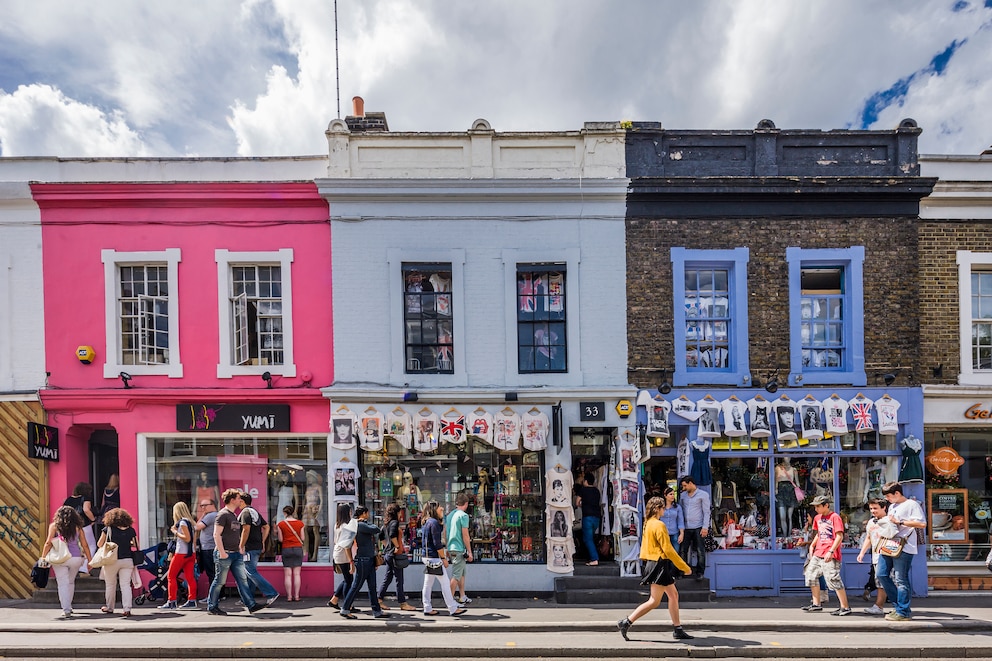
(890, 286)
(939, 301)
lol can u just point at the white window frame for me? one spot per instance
(968, 261)
(112, 261)
(226, 368)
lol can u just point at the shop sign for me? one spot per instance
(43, 442)
(945, 461)
(976, 412)
(232, 417)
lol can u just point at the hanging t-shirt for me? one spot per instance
(560, 555)
(535, 425)
(836, 413)
(425, 431)
(345, 475)
(344, 429)
(507, 432)
(709, 421)
(399, 427)
(371, 431)
(683, 407)
(442, 302)
(480, 425)
(810, 412)
(684, 457)
(888, 417)
(560, 521)
(559, 488)
(453, 428)
(556, 292)
(733, 417)
(761, 415)
(861, 408)
(657, 410)
(785, 419)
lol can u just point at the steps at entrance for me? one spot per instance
(604, 585)
(89, 590)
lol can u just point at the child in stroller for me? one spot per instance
(157, 564)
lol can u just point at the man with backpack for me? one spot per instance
(254, 531)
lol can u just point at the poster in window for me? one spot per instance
(948, 516)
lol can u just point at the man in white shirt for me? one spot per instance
(894, 574)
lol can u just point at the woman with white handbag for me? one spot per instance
(66, 542)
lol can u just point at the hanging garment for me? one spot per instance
(559, 485)
(657, 410)
(425, 431)
(733, 417)
(371, 431)
(686, 409)
(344, 429)
(525, 291)
(442, 301)
(857, 483)
(911, 468)
(709, 421)
(684, 457)
(836, 413)
(700, 470)
(861, 410)
(453, 428)
(480, 425)
(888, 417)
(535, 425)
(810, 414)
(556, 292)
(507, 433)
(761, 414)
(785, 419)
(398, 426)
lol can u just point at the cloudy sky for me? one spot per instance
(257, 77)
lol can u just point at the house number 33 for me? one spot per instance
(592, 410)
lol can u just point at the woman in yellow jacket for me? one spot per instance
(662, 566)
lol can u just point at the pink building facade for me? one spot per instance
(188, 333)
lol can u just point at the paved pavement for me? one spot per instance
(942, 627)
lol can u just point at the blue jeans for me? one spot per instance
(256, 579)
(391, 571)
(235, 563)
(364, 573)
(590, 524)
(895, 577)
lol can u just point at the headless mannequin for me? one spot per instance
(785, 480)
(313, 513)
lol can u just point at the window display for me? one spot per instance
(506, 493)
(276, 472)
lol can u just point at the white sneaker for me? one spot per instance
(464, 600)
(874, 610)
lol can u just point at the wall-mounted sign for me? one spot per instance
(624, 408)
(232, 417)
(43, 442)
(977, 412)
(592, 411)
(945, 461)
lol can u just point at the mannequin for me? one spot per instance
(205, 490)
(313, 512)
(285, 494)
(785, 494)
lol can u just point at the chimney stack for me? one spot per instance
(358, 104)
(362, 122)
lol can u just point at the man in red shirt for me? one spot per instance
(828, 530)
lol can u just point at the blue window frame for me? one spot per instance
(710, 299)
(826, 320)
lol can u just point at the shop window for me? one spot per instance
(278, 472)
(427, 316)
(255, 316)
(826, 326)
(741, 503)
(975, 291)
(710, 290)
(541, 338)
(142, 313)
(860, 480)
(506, 491)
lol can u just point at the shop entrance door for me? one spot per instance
(104, 462)
(591, 455)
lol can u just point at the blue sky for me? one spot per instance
(257, 77)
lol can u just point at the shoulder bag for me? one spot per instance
(59, 554)
(105, 555)
(891, 548)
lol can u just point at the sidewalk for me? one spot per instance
(957, 627)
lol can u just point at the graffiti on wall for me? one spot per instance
(16, 524)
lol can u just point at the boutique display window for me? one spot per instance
(505, 489)
(277, 472)
(741, 516)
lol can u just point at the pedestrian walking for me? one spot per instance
(662, 565)
(183, 559)
(364, 562)
(254, 532)
(118, 529)
(436, 560)
(345, 529)
(459, 545)
(228, 557)
(291, 532)
(67, 526)
(205, 537)
(696, 509)
(395, 547)
(673, 517)
(894, 574)
(589, 500)
(873, 537)
(81, 500)
(825, 557)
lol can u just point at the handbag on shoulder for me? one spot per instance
(105, 555)
(891, 548)
(59, 553)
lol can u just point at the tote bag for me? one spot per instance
(105, 555)
(59, 553)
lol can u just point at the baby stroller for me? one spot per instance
(157, 564)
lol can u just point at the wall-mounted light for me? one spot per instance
(126, 379)
(772, 384)
(665, 386)
(510, 397)
(889, 378)
(267, 377)
(409, 397)
(938, 371)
